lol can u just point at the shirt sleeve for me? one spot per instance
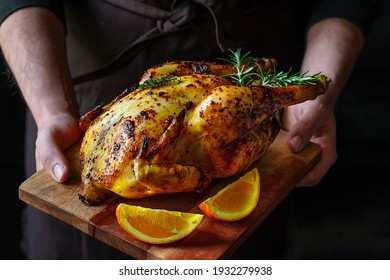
(362, 13)
(7, 7)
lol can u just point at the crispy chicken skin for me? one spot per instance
(181, 68)
(179, 136)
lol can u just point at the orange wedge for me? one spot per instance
(235, 201)
(156, 226)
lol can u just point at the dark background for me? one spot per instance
(347, 216)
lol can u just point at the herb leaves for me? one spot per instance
(157, 82)
(249, 72)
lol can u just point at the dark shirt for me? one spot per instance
(7, 7)
(360, 12)
(99, 31)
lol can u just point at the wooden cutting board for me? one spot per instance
(279, 170)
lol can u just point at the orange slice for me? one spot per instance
(156, 226)
(235, 201)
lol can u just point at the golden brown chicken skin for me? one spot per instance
(179, 136)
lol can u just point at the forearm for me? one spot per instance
(333, 46)
(33, 43)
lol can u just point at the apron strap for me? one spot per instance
(182, 12)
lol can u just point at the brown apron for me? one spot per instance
(112, 42)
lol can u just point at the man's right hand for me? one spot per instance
(56, 135)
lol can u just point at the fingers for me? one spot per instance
(328, 159)
(315, 175)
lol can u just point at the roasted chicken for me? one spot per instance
(178, 135)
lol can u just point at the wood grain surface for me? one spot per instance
(279, 169)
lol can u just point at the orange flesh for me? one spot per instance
(165, 228)
(234, 199)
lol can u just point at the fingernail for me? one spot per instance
(296, 142)
(58, 171)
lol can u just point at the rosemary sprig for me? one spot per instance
(247, 75)
(273, 79)
(156, 82)
(242, 76)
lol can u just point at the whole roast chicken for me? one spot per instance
(187, 123)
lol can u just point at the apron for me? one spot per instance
(111, 43)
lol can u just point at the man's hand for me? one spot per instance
(54, 136)
(332, 47)
(312, 121)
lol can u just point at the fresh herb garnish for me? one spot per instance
(252, 73)
(156, 82)
(243, 73)
(270, 79)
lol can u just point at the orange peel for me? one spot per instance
(235, 201)
(156, 226)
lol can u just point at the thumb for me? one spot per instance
(299, 135)
(53, 160)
